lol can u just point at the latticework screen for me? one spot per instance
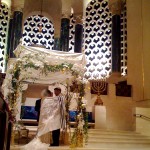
(97, 42)
(4, 21)
(32, 34)
(98, 39)
(71, 33)
(124, 41)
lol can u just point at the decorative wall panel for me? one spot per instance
(98, 39)
(32, 35)
(72, 33)
(124, 42)
(4, 21)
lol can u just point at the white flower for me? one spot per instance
(11, 67)
(81, 124)
(66, 66)
(19, 59)
(84, 81)
(40, 65)
(24, 62)
(76, 67)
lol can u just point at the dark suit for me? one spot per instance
(37, 108)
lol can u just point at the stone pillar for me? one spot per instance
(64, 37)
(16, 34)
(115, 7)
(17, 28)
(78, 35)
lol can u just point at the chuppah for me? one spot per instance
(42, 66)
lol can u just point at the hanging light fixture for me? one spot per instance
(40, 25)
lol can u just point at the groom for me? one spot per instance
(61, 121)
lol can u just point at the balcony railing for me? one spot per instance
(142, 116)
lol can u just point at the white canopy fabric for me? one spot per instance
(51, 57)
(54, 57)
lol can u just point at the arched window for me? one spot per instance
(4, 21)
(98, 40)
(38, 30)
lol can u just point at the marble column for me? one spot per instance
(16, 31)
(9, 41)
(78, 35)
(116, 44)
(64, 37)
(17, 26)
(115, 7)
(65, 25)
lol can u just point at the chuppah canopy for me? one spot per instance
(54, 57)
(51, 57)
(38, 65)
(34, 60)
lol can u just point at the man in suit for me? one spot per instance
(59, 116)
(37, 108)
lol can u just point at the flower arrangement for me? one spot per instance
(80, 135)
(17, 75)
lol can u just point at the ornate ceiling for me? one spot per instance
(77, 5)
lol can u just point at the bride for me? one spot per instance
(50, 120)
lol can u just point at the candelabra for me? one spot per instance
(98, 86)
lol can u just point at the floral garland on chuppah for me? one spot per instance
(15, 79)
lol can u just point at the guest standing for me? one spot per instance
(37, 108)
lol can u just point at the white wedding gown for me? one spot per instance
(49, 121)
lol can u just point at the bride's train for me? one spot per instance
(35, 144)
(50, 119)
